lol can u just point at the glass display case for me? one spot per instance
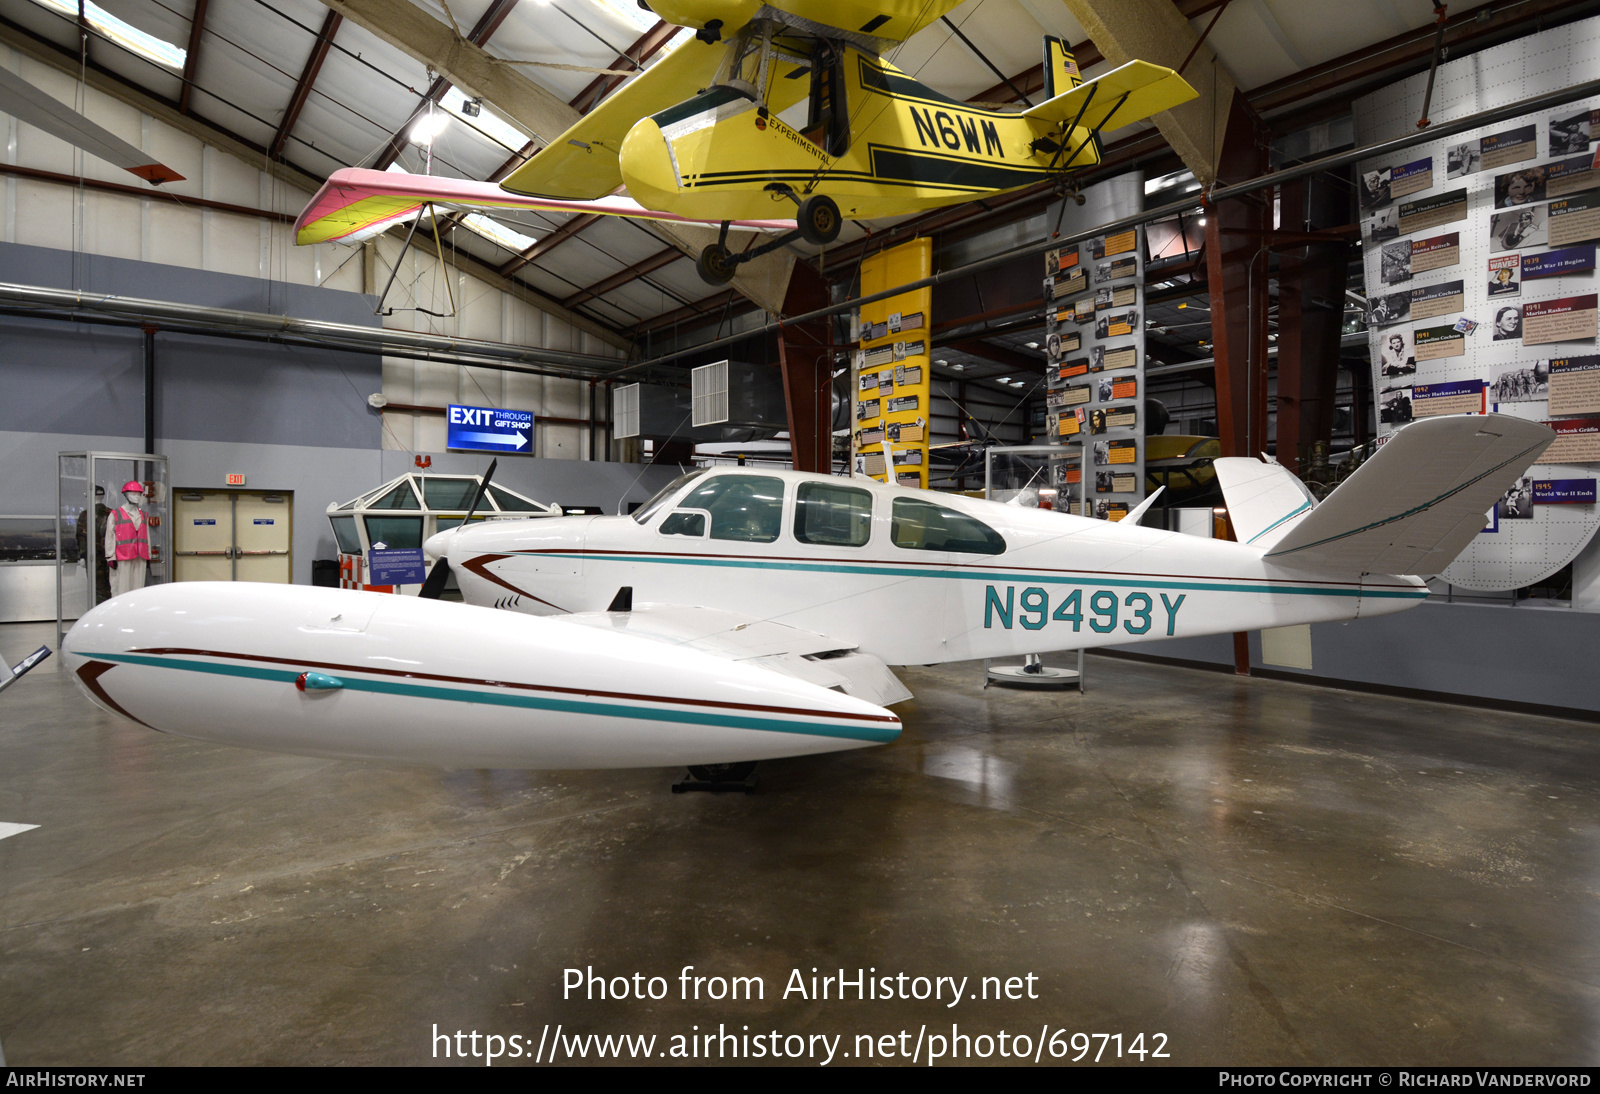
(27, 568)
(1037, 476)
(88, 490)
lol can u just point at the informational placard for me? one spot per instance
(1568, 319)
(1121, 243)
(1575, 219)
(1574, 385)
(1452, 397)
(895, 408)
(1511, 146)
(1433, 343)
(1116, 269)
(1568, 260)
(396, 566)
(1432, 301)
(1563, 492)
(1435, 252)
(1424, 213)
(1577, 441)
(1571, 176)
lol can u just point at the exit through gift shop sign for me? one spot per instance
(488, 429)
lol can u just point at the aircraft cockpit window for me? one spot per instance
(510, 503)
(828, 119)
(665, 494)
(394, 532)
(344, 530)
(838, 516)
(924, 526)
(684, 523)
(444, 492)
(401, 497)
(748, 508)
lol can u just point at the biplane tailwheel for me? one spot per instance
(714, 266)
(818, 220)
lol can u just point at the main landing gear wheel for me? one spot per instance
(737, 778)
(819, 220)
(714, 266)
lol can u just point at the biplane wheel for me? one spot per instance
(819, 220)
(714, 266)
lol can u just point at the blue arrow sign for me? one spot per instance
(486, 428)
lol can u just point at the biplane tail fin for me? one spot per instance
(1060, 68)
(1113, 99)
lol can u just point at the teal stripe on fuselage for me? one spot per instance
(986, 575)
(514, 699)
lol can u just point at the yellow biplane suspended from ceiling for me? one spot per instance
(787, 109)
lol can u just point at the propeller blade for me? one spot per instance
(38, 108)
(434, 586)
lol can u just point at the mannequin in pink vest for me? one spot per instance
(127, 543)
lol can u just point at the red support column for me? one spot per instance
(805, 352)
(1236, 275)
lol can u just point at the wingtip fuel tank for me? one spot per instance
(339, 673)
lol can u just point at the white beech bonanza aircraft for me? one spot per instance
(743, 615)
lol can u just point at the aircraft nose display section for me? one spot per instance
(325, 672)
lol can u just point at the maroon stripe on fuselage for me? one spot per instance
(336, 667)
(90, 672)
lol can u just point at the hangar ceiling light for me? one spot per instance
(123, 33)
(486, 121)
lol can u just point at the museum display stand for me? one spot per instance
(82, 579)
(1035, 476)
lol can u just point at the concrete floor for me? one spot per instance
(1264, 872)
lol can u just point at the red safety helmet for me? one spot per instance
(132, 488)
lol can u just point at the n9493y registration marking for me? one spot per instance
(1102, 612)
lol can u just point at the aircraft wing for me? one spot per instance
(583, 163)
(1124, 95)
(357, 203)
(39, 108)
(1417, 503)
(804, 655)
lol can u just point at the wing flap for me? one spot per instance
(802, 654)
(1126, 94)
(583, 163)
(1417, 503)
(357, 203)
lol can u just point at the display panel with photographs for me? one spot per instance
(1515, 229)
(1520, 382)
(1574, 384)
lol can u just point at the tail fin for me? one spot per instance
(1136, 90)
(1060, 68)
(1416, 504)
(1265, 500)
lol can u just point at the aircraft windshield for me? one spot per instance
(748, 508)
(666, 493)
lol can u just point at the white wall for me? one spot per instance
(49, 214)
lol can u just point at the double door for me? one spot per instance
(233, 535)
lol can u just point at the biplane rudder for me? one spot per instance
(1060, 68)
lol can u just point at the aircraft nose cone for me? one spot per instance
(437, 545)
(647, 167)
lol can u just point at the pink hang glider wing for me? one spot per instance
(357, 203)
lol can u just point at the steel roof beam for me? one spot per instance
(648, 44)
(640, 269)
(302, 87)
(191, 59)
